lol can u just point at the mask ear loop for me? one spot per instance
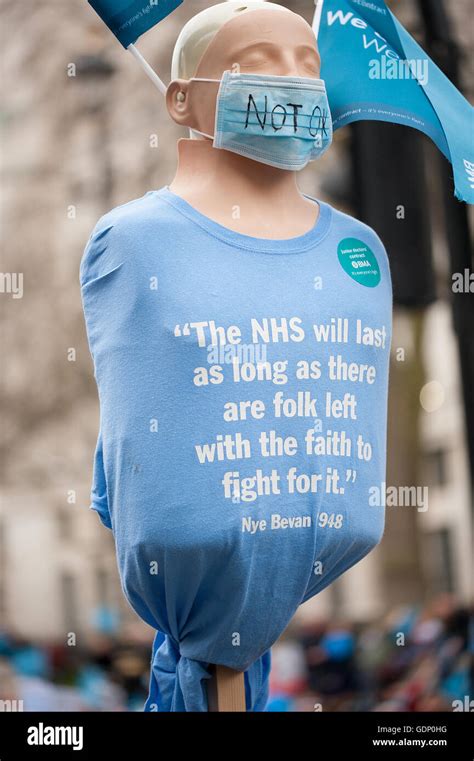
(204, 134)
(151, 73)
(203, 79)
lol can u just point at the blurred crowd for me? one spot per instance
(416, 659)
(109, 672)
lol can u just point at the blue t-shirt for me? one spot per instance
(242, 445)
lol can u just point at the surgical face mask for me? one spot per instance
(281, 121)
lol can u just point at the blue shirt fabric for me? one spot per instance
(243, 397)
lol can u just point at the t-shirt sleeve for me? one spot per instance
(101, 255)
(99, 501)
(97, 265)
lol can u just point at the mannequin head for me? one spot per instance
(251, 38)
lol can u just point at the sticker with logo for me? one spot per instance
(359, 261)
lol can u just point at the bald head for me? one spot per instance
(262, 42)
(201, 29)
(265, 41)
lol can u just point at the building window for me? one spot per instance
(102, 586)
(436, 467)
(69, 602)
(439, 560)
(336, 591)
(64, 523)
(3, 572)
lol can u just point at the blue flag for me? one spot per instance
(129, 19)
(375, 70)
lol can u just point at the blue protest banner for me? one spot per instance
(375, 70)
(129, 19)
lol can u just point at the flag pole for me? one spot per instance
(317, 16)
(159, 84)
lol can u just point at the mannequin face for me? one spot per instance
(259, 42)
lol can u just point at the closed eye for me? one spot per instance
(254, 64)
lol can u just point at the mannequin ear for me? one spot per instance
(178, 102)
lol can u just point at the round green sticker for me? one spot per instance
(359, 261)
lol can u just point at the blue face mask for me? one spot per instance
(281, 121)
